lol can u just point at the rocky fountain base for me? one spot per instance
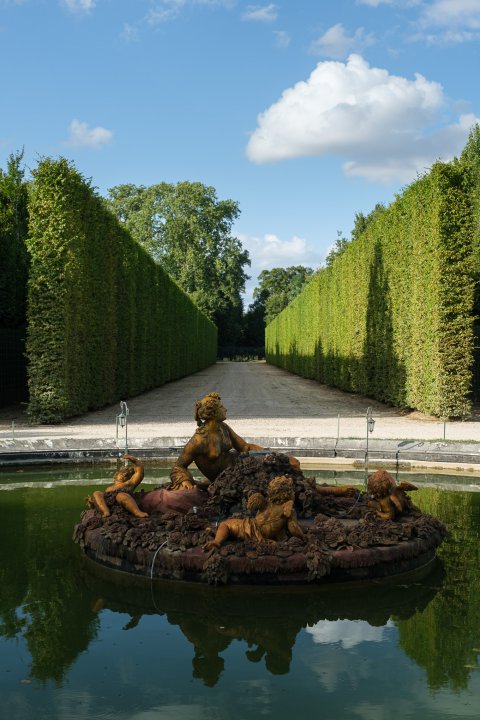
(343, 538)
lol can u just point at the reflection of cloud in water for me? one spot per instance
(347, 632)
(416, 703)
(333, 666)
(256, 697)
(172, 712)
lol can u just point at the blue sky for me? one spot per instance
(304, 111)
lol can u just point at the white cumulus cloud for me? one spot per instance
(381, 125)
(261, 13)
(337, 44)
(81, 135)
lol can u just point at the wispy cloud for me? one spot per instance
(335, 43)
(457, 13)
(82, 135)
(261, 13)
(164, 11)
(130, 33)
(269, 251)
(282, 39)
(375, 3)
(448, 22)
(384, 127)
(400, 3)
(79, 6)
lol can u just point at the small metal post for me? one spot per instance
(122, 421)
(370, 426)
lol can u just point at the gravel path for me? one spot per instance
(262, 401)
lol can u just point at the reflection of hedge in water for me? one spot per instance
(105, 321)
(392, 318)
(445, 638)
(40, 583)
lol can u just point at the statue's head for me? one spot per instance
(280, 490)
(256, 502)
(210, 407)
(381, 484)
(124, 474)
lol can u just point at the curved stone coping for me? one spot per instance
(23, 451)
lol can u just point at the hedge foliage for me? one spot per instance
(392, 317)
(104, 320)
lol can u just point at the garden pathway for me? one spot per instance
(262, 401)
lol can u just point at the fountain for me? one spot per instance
(256, 519)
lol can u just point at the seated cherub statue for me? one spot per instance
(388, 499)
(275, 520)
(125, 481)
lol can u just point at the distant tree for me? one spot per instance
(276, 289)
(363, 221)
(341, 243)
(188, 230)
(13, 231)
(253, 334)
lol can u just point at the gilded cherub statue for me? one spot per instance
(275, 520)
(125, 481)
(388, 499)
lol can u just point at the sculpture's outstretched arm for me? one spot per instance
(292, 523)
(295, 529)
(136, 478)
(239, 443)
(139, 473)
(180, 476)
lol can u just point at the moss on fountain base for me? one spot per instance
(336, 549)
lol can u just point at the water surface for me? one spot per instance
(75, 647)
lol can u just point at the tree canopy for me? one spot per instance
(13, 231)
(276, 289)
(188, 230)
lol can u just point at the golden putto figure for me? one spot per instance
(387, 499)
(275, 520)
(213, 448)
(125, 481)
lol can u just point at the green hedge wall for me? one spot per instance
(104, 320)
(392, 318)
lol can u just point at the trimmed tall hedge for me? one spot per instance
(105, 322)
(392, 318)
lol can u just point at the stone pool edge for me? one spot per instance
(401, 454)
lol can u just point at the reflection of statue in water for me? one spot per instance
(387, 498)
(213, 448)
(125, 481)
(276, 518)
